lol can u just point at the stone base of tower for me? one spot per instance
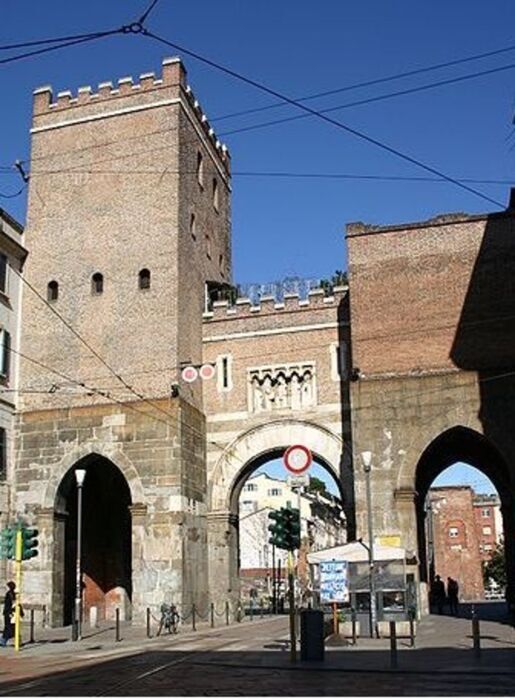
(144, 538)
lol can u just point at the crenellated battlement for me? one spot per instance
(244, 308)
(173, 75)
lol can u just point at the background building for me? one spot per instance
(12, 258)
(322, 525)
(463, 529)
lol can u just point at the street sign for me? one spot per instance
(301, 481)
(189, 374)
(334, 582)
(207, 371)
(297, 459)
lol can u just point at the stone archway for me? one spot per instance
(106, 542)
(258, 445)
(462, 444)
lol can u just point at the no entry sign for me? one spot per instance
(297, 459)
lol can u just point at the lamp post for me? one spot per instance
(366, 458)
(80, 475)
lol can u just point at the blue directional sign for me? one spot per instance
(334, 582)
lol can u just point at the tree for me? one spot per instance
(495, 568)
(316, 485)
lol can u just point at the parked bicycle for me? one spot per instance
(169, 619)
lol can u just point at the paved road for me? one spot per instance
(252, 659)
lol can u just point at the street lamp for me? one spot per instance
(80, 475)
(366, 458)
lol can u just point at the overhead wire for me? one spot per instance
(56, 47)
(375, 81)
(340, 125)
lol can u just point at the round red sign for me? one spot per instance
(297, 459)
(189, 374)
(207, 371)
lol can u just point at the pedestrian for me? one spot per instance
(9, 608)
(438, 594)
(453, 590)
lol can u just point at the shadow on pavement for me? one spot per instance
(442, 670)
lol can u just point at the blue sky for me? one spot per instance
(285, 226)
(459, 473)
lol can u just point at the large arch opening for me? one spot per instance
(106, 541)
(263, 485)
(246, 454)
(462, 482)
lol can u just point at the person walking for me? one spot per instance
(453, 590)
(9, 607)
(438, 594)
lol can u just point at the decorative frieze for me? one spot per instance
(281, 387)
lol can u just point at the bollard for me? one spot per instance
(476, 635)
(117, 625)
(193, 620)
(212, 614)
(148, 623)
(354, 635)
(31, 640)
(393, 645)
(226, 612)
(261, 609)
(238, 613)
(412, 629)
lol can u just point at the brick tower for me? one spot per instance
(128, 219)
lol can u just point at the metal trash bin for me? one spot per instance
(311, 635)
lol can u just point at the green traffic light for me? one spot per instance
(30, 543)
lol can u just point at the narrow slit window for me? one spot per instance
(193, 227)
(200, 169)
(144, 279)
(3, 454)
(216, 195)
(52, 292)
(3, 273)
(97, 283)
(6, 354)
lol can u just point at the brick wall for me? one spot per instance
(456, 539)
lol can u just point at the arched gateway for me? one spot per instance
(242, 456)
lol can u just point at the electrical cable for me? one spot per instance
(75, 42)
(369, 83)
(340, 125)
(147, 12)
(279, 174)
(53, 40)
(3, 195)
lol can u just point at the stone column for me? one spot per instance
(140, 584)
(223, 566)
(407, 518)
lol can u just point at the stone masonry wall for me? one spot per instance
(152, 452)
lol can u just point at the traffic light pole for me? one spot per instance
(291, 606)
(17, 610)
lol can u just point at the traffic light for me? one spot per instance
(8, 543)
(277, 528)
(29, 545)
(292, 527)
(285, 529)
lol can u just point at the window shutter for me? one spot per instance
(6, 353)
(3, 272)
(3, 451)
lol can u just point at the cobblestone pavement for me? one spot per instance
(252, 658)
